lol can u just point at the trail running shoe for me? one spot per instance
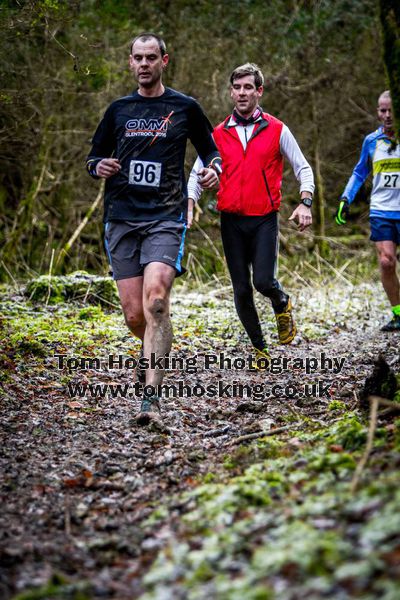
(259, 355)
(393, 325)
(264, 353)
(149, 409)
(286, 326)
(141, 373)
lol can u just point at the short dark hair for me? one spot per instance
(385, 95)
(147, 35)
(248, 69)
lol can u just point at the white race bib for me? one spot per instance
(390, 180)
(143, 172)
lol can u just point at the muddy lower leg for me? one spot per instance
(158, 337)
(158, 279)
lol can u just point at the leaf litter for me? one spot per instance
(235, 498)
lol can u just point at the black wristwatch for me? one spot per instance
(307, 201)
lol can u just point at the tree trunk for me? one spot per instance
(319, 201)
(390, 20)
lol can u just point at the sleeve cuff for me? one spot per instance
(91, 166)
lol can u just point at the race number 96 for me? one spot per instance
(143, 172)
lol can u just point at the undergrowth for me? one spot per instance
(287, 526)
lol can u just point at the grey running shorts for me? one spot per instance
(131, 245)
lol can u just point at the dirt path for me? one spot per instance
(80, 481)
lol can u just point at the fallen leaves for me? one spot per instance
(84, 479)
(82, 484)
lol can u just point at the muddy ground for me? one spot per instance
(93, 506)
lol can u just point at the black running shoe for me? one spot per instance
(150, 409)
(393, 325)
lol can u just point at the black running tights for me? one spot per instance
(252, 242)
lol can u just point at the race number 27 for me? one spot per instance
(391, 180)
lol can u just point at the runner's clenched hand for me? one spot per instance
(208, 178)
(108, 167)
(302, 214)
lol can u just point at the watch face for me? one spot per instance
(307, 202)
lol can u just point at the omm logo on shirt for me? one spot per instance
(146, 127)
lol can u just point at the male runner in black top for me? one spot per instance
(139, 148)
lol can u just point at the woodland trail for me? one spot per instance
(95, 507)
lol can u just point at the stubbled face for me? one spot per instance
(385, 114)
(146, 63)
(245, 95)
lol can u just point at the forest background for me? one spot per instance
(64, 62)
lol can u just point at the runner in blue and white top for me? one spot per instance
(380, 155)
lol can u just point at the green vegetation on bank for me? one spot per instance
(281, 515)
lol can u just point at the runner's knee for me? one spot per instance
(157, 307)
(242, 292)
(387, 262)
(133, 320)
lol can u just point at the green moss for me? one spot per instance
(263, 449)
(301, 547)
(283, 517)
(229, 463)
(76, 286)
(349, 432)
(45, 289)
(336, 405)
(90, 313)
(159, 514)
(340, 462)
(243, 588)
(219, 502)
(64, 329)
(57, 587)
(203, 572)
(30, 346)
